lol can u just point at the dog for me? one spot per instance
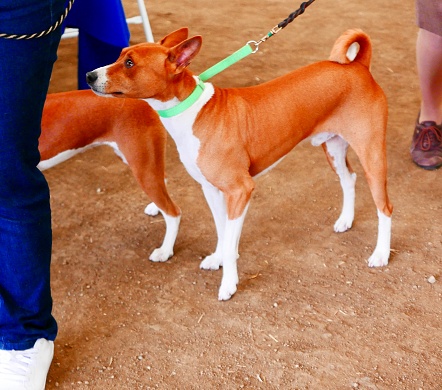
(77, 120)
(229, 136)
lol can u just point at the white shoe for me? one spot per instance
(26, 370)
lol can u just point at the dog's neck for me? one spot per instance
(180, 89)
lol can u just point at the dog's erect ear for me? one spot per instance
(174, 38)
(182, 54)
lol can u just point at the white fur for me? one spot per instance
(67, 154)
(337, 149)
(381, 253)
(151, 209)
(172, 223)
(59, 158)
(226, 254)
(101, 81)
(320, 138)
(180, 128)
(166, 250)
(352, 51)
(215, 200)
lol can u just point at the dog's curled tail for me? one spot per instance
(345, 49)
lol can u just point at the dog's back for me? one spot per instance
(76, 120)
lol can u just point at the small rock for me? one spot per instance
(431, 279)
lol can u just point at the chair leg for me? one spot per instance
(145, 20)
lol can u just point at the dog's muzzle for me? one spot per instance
(91, 78)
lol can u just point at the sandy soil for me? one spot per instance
(309, 313)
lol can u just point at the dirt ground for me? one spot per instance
(309, 313)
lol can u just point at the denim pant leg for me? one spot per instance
(25, 218)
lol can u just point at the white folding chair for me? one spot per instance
(143, 18)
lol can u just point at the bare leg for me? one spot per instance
(429, 66)
(426, 145)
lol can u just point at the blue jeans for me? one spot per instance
(25, 216)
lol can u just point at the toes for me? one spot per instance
(226, 291)
(378, 259)
(160, 255)
(211, 262)
(343, 224)
(151, 209)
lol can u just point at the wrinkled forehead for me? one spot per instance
(142, 50)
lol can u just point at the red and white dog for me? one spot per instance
(229, 136)
(77, 120)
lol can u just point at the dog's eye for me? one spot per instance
(129, 64)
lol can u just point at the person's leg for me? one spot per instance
(426, 146)
(429, 66)
(25, 219)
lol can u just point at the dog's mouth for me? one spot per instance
(99, 93)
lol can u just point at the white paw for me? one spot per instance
(343, 224)
(212, 262)
(151, 209)
(160, 255)
(226, 290)
(378, 259)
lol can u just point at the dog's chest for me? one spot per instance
(188, 146)
(180, 129)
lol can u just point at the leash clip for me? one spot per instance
(270, 34)
(256, 45)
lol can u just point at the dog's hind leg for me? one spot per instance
(148, 170)
(155, 188)
(374, 162)
(336, 151)
(165, 251)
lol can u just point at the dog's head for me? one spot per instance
(146, 70)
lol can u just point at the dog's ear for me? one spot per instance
(174, 38)
(182, 54)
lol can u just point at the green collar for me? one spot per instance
(185, 104)
(199, 88)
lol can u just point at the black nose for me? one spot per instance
(91, 77)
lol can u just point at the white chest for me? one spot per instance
(180, 128)
(188, 147)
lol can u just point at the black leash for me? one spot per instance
(44, 32)
(272, 32)
(295, 14)
(249, 48)
(284, 23)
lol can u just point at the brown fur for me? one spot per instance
(241, 132)
(75, 119)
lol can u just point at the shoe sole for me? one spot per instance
(428, 168)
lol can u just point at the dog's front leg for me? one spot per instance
(217, 205)
(230, 278)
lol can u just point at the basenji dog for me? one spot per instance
(77, 120)
(229, 136)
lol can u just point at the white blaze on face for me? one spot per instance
(100, 83)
